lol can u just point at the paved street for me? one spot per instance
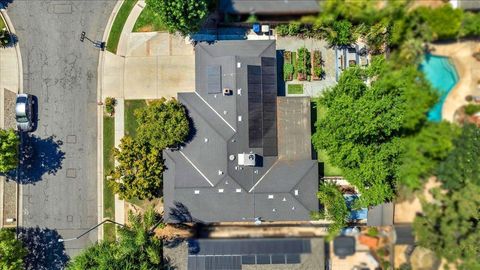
(60, 181)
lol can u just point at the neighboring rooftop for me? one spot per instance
(269, 7)
(259, 254)
(234, 114)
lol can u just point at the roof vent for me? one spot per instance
(239, 91)
(284, 199)
(227, 92)
(270, 196)
(239, 118)
(231, 157)
(274, 210)
(220, 172)
(205, 140)
(239, 64)
(196, 191)
(238, 190)
(246, 159)
(220, 190)
(296, 192)
(225, 112)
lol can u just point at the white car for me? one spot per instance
(24, 112)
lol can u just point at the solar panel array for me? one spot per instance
(262, 106)
(233, 253)
(255, 107)
(269, 83)
(214, 79)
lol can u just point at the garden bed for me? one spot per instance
(303, 64)
(317, 63)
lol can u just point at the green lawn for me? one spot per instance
(118, 24)
(149, 21)
(295, 88)
(318, 112)
(108, 164)
(130, 121)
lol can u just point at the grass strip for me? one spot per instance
(118, 23)
(108, 165)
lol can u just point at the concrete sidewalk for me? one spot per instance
(10, 85)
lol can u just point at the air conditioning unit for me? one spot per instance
(247, 159)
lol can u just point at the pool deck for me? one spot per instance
(468, 70)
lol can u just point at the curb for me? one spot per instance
(101, 57)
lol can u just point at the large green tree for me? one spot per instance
(9, 142)
(184, 16)
(139, 171)
(450, 226)
(162, 124)
(364, 126)
(12, 251)
(136, 248)
(424, 151)
(445, 22)
(463, 163)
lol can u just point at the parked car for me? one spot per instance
(24, 112)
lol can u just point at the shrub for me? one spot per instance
(372, 231)
(469, 98)
(291, 29)
(317, 64)
(471, 25)
(288, 71)
(471, 109)
(110, 103)
(252, 18)
(184, 16)
(282, 30)
(8, 150)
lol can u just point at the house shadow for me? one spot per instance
(44, 250)
(280, 80)
(38, 156)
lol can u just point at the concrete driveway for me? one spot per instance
(156, 65)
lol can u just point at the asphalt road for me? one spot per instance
(59, 189)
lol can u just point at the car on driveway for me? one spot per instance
(24, 112)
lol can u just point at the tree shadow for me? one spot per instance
(5, 3)
(38, 157)
(181, 214)
(44, 250)
(192, 130)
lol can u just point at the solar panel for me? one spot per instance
(248, 259)
(263, 259)
(214, 79)
(278, 259)
(293, 258)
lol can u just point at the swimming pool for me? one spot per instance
(358, 213)
(443, 76)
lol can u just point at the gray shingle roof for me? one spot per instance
(201, 181)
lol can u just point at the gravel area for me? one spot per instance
(9, 109)
(177, 255)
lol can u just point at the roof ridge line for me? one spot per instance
(210, 106)
(195, 167)
(263, 176)
(301, 179)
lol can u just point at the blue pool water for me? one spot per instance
(443, 76)
(358, 213)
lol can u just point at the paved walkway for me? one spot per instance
(148, 65)
(468, 71)
(9, 87)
